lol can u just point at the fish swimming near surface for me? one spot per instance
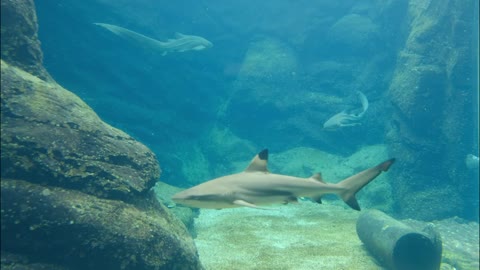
(345, 119)
(181, 42)
(257, 186)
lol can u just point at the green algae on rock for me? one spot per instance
(51, 136)
(431, 105)
(92, 233)
(19, 35)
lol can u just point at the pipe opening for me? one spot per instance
(414, 251)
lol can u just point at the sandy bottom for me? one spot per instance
(295, 236)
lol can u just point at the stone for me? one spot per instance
(20, 44)
(431, 127)
(75, 191)
(81, 231)
(51, 136)
(355, 34)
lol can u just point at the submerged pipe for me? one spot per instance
(398, 246)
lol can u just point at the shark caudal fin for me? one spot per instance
(354, 183)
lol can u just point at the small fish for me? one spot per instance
(345, 119)
(257, 186)
(181, 42)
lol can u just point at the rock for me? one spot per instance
(75, 191)
(354, 34)
(10, 261)
(52, 137)
(82, 231)
(164, 193)
(268, 88)
(430, 105)
(20, 44)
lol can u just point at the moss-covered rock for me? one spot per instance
(52, 137)
(355, 34)
(82, 231)
(268, 87)
(430, 105)
(82, 197)
(19, 37)
(164, 193)
(11, 261)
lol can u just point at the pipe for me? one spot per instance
(398, 246)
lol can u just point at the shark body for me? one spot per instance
(181, 42)
(257, 186)
(345, 119)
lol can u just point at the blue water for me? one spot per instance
(278, 69)
(172, 102)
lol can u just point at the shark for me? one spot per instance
(256, 186)
(181, 42)
(346, 119)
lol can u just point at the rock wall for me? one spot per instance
(76, 192)
(433, 96)
(20, 44)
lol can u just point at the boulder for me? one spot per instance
(11, 261)
(81, 231)
(354, 34)
(265, 93)
(431, 126)
(20, 44)
(75, 192)
(50, 136)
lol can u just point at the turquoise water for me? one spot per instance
(250, 75)
(276, 72)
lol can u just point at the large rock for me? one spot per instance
(51, 136)
(75, 191)
(20, 44)
(265, 93)
(354, 34)
(82, 231)
(273, 101)
(430, 132)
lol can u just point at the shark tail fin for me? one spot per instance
(351, 185)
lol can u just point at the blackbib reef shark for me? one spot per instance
(346, 119)
(257, 186)
(181, 42)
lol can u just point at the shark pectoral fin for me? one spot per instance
(247, 204)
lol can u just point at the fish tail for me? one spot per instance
(351, 185)
(364, 101)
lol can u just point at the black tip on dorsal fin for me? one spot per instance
(259, 162)
(263, 155)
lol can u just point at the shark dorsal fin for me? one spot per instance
(259, 162)
(318, 177)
